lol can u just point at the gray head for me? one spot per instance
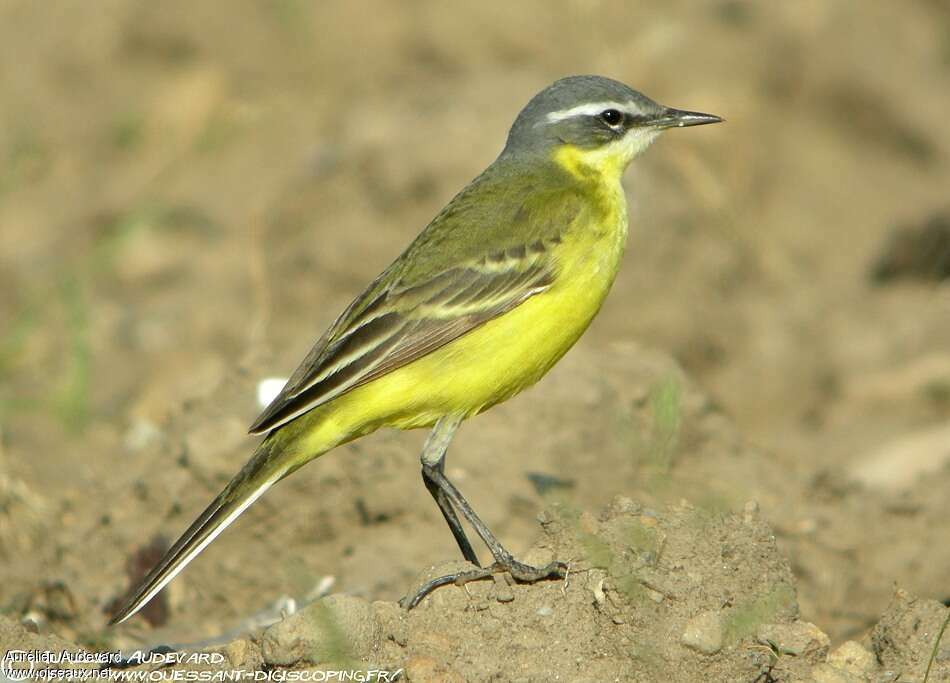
(593, 113)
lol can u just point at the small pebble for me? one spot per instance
(545, 611)
(852, 657)
(141, 434)
(599, 595)
(703, 633)
(503, 592)
(237, 652)
(795, 639)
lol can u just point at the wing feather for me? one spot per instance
(419, 304)
(386, 330)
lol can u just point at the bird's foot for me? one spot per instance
(520, 572)
(525, 573)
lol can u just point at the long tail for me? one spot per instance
(261, 472)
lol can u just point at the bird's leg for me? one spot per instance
(433, 457)
(504, 561)
(448, 497)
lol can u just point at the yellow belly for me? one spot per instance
(484, 367)
(499, 359)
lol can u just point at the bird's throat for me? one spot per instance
(607, 163)
(599, 166)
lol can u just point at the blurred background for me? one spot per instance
(191, 192)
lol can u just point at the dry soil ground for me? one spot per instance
(190, 192)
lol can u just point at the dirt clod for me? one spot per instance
(797, 639)
(853, 657)
(188, 197)
(335, 629)
(904, 639)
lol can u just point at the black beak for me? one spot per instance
(677, 118)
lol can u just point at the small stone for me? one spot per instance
(617, 619)
(599, 595)
(897, 464)
(545, 611)
(141, 434)
(703, 633)
(655, 596)
(503, 592)
(237, 652)
(853, 658)
(795, 639)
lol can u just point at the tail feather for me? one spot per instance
(258, 475)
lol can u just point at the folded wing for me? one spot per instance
(391, 325)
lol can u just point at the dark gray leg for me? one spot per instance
(433, 457)
(449, 498)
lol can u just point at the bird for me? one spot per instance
(486, 299)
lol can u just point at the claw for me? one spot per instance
(449, 499)
(520, 572)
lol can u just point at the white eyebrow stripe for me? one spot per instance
(591, 109)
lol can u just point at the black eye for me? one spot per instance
(612, 117)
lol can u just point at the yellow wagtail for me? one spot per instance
(480, 306)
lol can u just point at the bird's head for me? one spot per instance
(593, 125)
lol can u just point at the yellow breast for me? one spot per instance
(505, 355)
(513, 351)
